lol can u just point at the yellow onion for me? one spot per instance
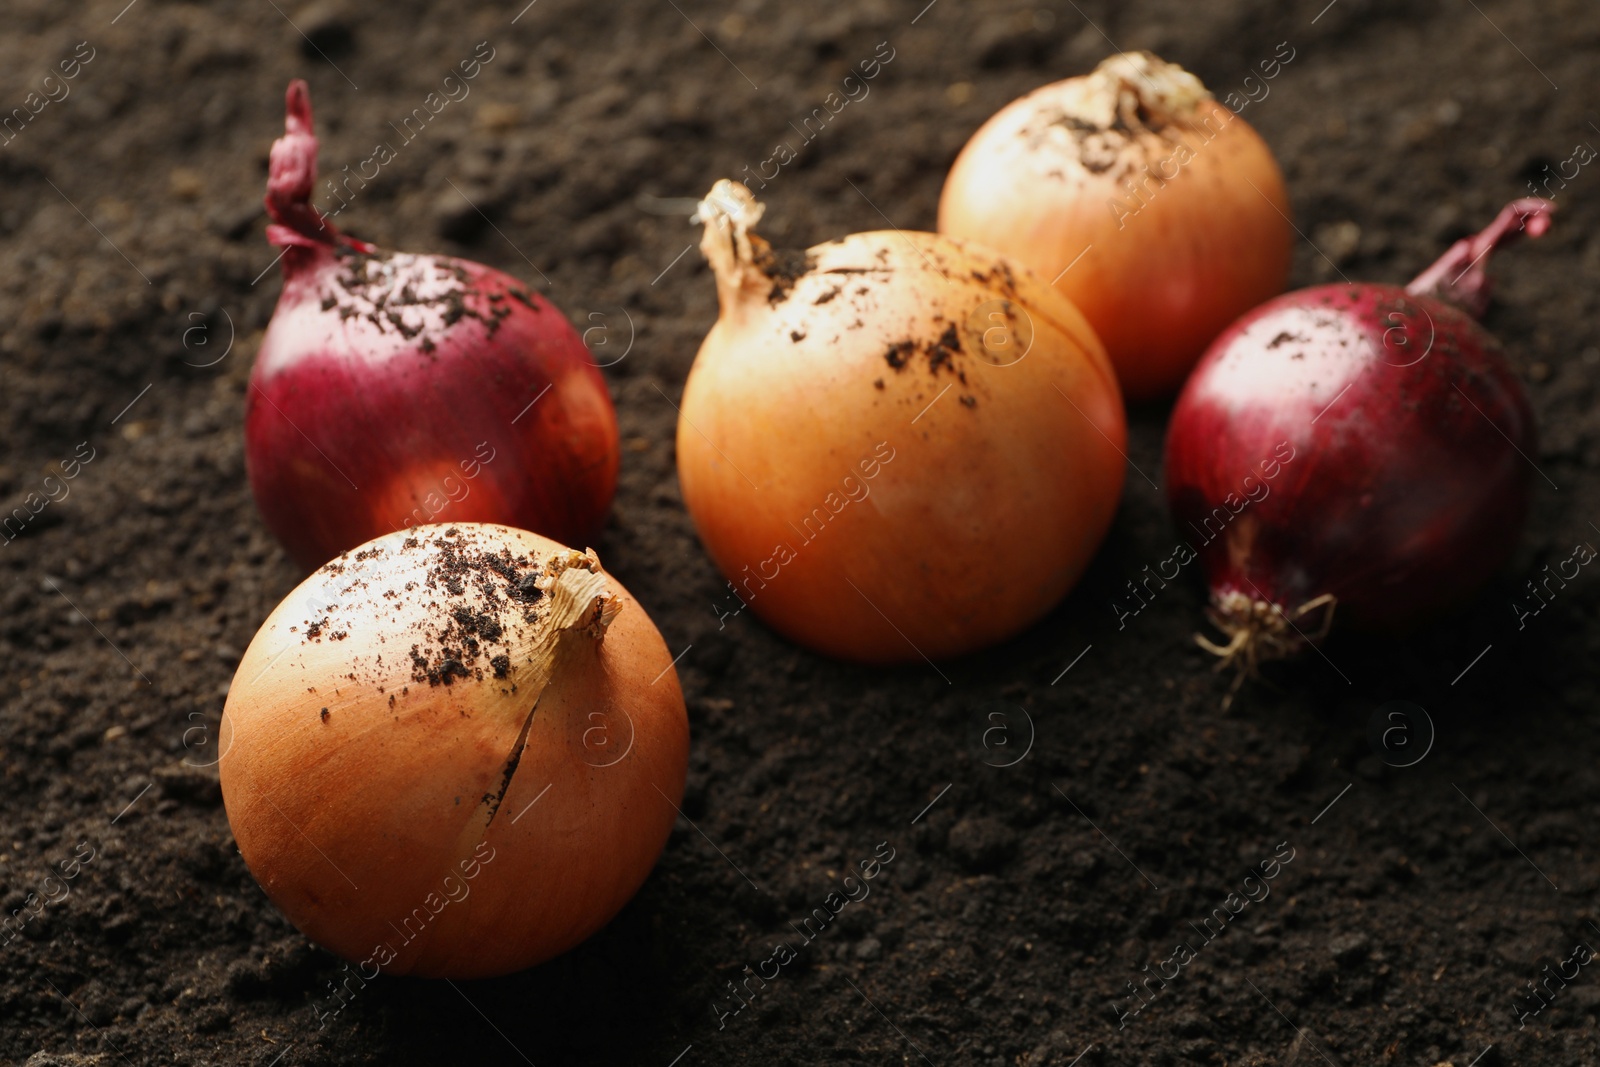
(1156, 210)
(455, 751)
(895, 444)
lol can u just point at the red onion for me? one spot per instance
(1358, 447)
(395, 390)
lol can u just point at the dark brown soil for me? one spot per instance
(1021, 900)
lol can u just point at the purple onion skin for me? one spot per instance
(1400, 499)
(396, 390)
(1359, 442)
(354, 430)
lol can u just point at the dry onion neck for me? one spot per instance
(581, 607)
(1145, 90)
(291, 175)
(1460, 276)
(746, 266)
(1098, 117)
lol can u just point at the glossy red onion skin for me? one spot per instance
(353, 431)
(1402, 498)
(394, 389)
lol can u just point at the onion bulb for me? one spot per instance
(894, 444)
(394, 390)
(1360, 451)
(1155, 209)
(454, 752)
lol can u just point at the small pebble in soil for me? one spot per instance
(1349, 949)
(982, 844)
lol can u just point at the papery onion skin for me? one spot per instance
(1174, 204)
(386, 378)
(1411, 440)
(357, 776)
(995, 493)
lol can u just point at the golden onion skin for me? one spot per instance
(434, 766)
(1156, 210)
(868, 461)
